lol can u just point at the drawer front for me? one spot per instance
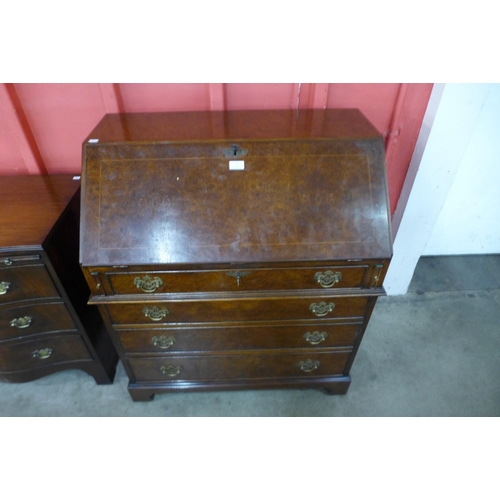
(238, 338)
(31, 320)
(11, 260)
(42, 352)
(191, 311)
(238, 366)
(236, 280)
(25, 283)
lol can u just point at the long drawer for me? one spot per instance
(31, 320)
(36, 353)
(238, 366)
(238, 337)
(25, 283)
(235, 280)
(193, 311)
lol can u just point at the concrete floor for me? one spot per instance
(432, 352)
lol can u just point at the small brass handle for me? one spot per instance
(171, 370)
(163, 342)
(4, 286)
(148, 284)
(155, 313)
(379, 268)
(42, 353)
(8, 261)
(328, 278)
(315, 337)
(21, 322)
(322, 309)
(309, 365)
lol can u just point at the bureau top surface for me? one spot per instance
(231, 125)
(30, 206)
(164, 188)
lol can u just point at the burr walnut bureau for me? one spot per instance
(236, 249)
(45, 322)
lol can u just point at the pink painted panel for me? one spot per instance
(11, 158)
(261, 96)
(402, 137)
(60, 117)
(18, 147)
(375, 100)
(151, 97)
(313, 95)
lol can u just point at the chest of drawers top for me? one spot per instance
(30, 206)
(201, 190)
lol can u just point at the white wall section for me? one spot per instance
(454, 125)
(469, 222)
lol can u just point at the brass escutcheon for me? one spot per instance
(328, 278)
(322, 309)
(4, 286)
(21, 322)
(155, 313)
(42, 353)
(309, 365)
(170, 370)
(235, 152)
(163, 342)
(148, 284)
(315, 337)
(238, 275)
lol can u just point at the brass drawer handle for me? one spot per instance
(309, 365)
(238, 275)
(163, 342)
(42, 353)
(322, 309)
(21, 322)
(315, 337)
(378, 268)
(155, 313)
(328, 279)
(4, 286)
(8, 261)
(170, 370)
(148, 284)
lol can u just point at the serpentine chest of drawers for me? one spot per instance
(45, 322)
(236, 249)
